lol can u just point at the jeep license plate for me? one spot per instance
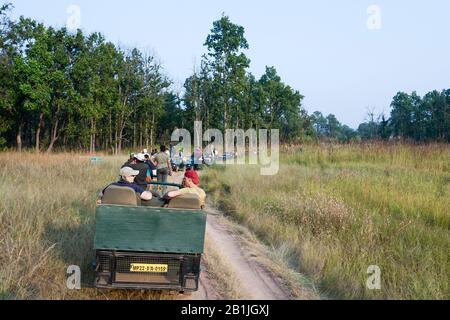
(142, 267)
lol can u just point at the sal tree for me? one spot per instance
(228, 66)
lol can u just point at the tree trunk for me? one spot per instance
(151, 129)
(237, 117)
(225, 117)
(38, 132)
(111, 143)
(146, 135)
(54, 137)
(134, 135)
(121, 128)
(19, 138)
(116, 137)
(271, 116)
(94, 135)
(151, 135)
(105, 141)
(207, 116)
(119, 149)
(91, 136)
(140, 136)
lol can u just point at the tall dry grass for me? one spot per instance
(334, 210)
(47, 207)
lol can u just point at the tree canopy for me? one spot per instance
(71, 90)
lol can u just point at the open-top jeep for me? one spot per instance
(148, 245)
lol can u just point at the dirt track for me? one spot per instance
(252, 280)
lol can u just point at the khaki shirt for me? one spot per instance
(196, 190)
(161, 160)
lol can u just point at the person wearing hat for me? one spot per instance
(129, 161)
(127, 176)
(190, 184)
(139, 164)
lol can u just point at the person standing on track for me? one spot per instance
(163, 167)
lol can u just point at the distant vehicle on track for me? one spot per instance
(228, 156)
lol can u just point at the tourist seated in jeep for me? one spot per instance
(125, 191)
(190, 184)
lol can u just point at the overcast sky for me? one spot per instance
(344, 56)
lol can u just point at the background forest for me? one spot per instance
(74, 91)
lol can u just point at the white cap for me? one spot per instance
(140, 157)
(128, 172)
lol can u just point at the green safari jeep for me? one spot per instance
(148, 245)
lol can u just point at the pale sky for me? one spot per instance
(324, 49)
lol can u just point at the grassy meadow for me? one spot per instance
(330, 213)
(334, 210)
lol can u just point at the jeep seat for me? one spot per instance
(185, 201)
(121, 196)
